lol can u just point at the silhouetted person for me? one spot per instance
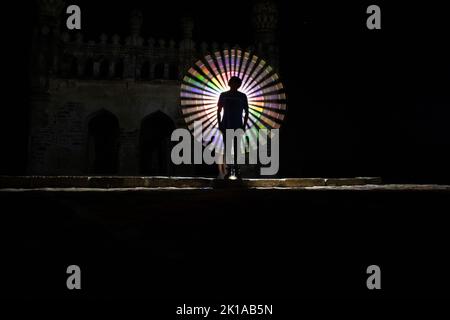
(233, 103)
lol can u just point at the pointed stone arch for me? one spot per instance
(74, 67)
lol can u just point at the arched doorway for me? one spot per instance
(103, 143)
(155, 144)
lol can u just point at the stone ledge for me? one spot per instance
(352, 181)
(172, 182)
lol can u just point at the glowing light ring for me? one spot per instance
(208, 78)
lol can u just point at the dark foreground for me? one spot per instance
(227, 244)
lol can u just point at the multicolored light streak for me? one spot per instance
(208, 78)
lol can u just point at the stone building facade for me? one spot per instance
(109, 106)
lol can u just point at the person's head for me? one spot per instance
(234, 83)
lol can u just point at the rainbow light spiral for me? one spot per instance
(208, 78)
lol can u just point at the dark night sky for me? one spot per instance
(214, 20)
(360, 102)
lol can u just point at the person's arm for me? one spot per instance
(245, 112)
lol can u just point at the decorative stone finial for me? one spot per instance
(50, 8)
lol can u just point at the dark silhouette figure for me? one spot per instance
(233, 103)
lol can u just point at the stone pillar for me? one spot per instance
(96, 71)
(138, 69)
(152, 71)
(265, 21)
(128, 153)
(45, 42)
(112, 68)
(80, 67)
(129, 67)
(187, 45)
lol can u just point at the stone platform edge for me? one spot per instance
(31, 182)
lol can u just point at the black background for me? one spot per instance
(361, 102)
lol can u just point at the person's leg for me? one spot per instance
(221, 172)
(230, 167)
(237, 171)
(223, 166)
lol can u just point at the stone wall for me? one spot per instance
(74, 78)
(59, 121)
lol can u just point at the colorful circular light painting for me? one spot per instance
(208, 78)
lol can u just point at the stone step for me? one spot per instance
(107, 182)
